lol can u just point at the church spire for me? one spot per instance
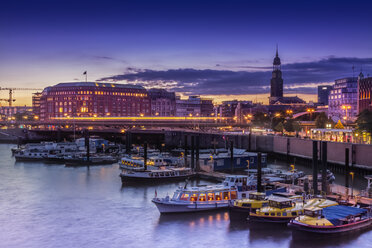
(277, 50)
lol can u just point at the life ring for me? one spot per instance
(244, 188)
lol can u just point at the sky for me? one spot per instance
(220, 49)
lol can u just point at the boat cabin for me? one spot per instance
(279, 202)
(313, 212)
(205, 196)
(258, 196)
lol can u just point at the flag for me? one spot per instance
(85, 73)
(156, 193)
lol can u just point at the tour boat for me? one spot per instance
(205, 198)
(282, 210)
(240, 209)
(162, 174)
(332, 220)
(138, 164)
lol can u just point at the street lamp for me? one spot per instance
(310, 110)
(345, 107)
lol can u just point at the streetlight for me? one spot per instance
(310, 110)
(352, 183)
(345, 107)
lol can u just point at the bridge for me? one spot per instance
(307, 112)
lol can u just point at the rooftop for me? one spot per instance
(94, 84)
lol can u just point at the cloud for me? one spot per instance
(301, 77)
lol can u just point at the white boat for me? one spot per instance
(137, 163)
(170, 173)
(204, 198)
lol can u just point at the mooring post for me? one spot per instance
(347, 168)
(324, 167)
(197, 153)
(193, 152)
(185, 153)
(259, 172)
(87, 145)
(128, 142)
(315, 167)
(145, 155)
(232, 156)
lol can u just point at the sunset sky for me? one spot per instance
(220, 49)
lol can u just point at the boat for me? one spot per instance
(240, 209)
(283, 209)
(162, 174)
(205, 198)
(77, 161)
(138, 164)
(332, 220)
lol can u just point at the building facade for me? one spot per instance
(364, 93)
(343, 100)
(194, 106)
(89, 99)
(8, 111)
(163, 103)
(323, 93)
(36, 103)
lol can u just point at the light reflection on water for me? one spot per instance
(53, 206)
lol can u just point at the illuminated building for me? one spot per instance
(8, 111)
(323, 93)
(89, 99)
(194, 106)
(163, 103)
(36, 103)
(365, 92)
(343, 93)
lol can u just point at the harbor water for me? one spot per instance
(46, 205)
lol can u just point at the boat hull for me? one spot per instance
(238, 213)
(128, 178)
(169, 207)
(279, 220)
(299, 227)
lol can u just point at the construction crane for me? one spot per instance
(10, 100)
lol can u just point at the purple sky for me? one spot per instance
(215, 48)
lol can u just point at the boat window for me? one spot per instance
(272, 214)
(294, 213)
(279, 214)
(218, 196)
(232, 180)
(194, 197)
(244, 195)
(175, 196)
(226, 195)
(184, 197)
(252, 160)
(267, 214)
(210, 196)
(233, 195)
(263, 159)
(202, 197)
(285, 214)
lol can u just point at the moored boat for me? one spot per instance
(332, 220)
(170, 173)
(282, 210)
(205, 198)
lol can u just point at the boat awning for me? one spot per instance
(335, 213)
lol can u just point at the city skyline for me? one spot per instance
(224, 51)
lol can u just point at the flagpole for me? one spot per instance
(86, 76)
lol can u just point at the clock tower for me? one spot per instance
(276, 79)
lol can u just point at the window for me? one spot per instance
(272, 214)
(202, 197)
(226, 195)
(194, 197)
(210, 196)
(233, 195)
(279, 214)
(284, 214)
(184, 197)
(218, 196)
(294, 213)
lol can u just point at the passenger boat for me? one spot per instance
(76, 161)
(205, 198)
(332, 220)
(137, 163)
(282, 210)
(162, 174)
(240, 209)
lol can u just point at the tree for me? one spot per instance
(364, 121)
(321, 120)
(279, 127)
(339, 125)
(261, 119)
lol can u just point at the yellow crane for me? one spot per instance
(10, 100)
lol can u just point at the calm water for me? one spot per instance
(53, 206)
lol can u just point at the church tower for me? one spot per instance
(276, 80)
